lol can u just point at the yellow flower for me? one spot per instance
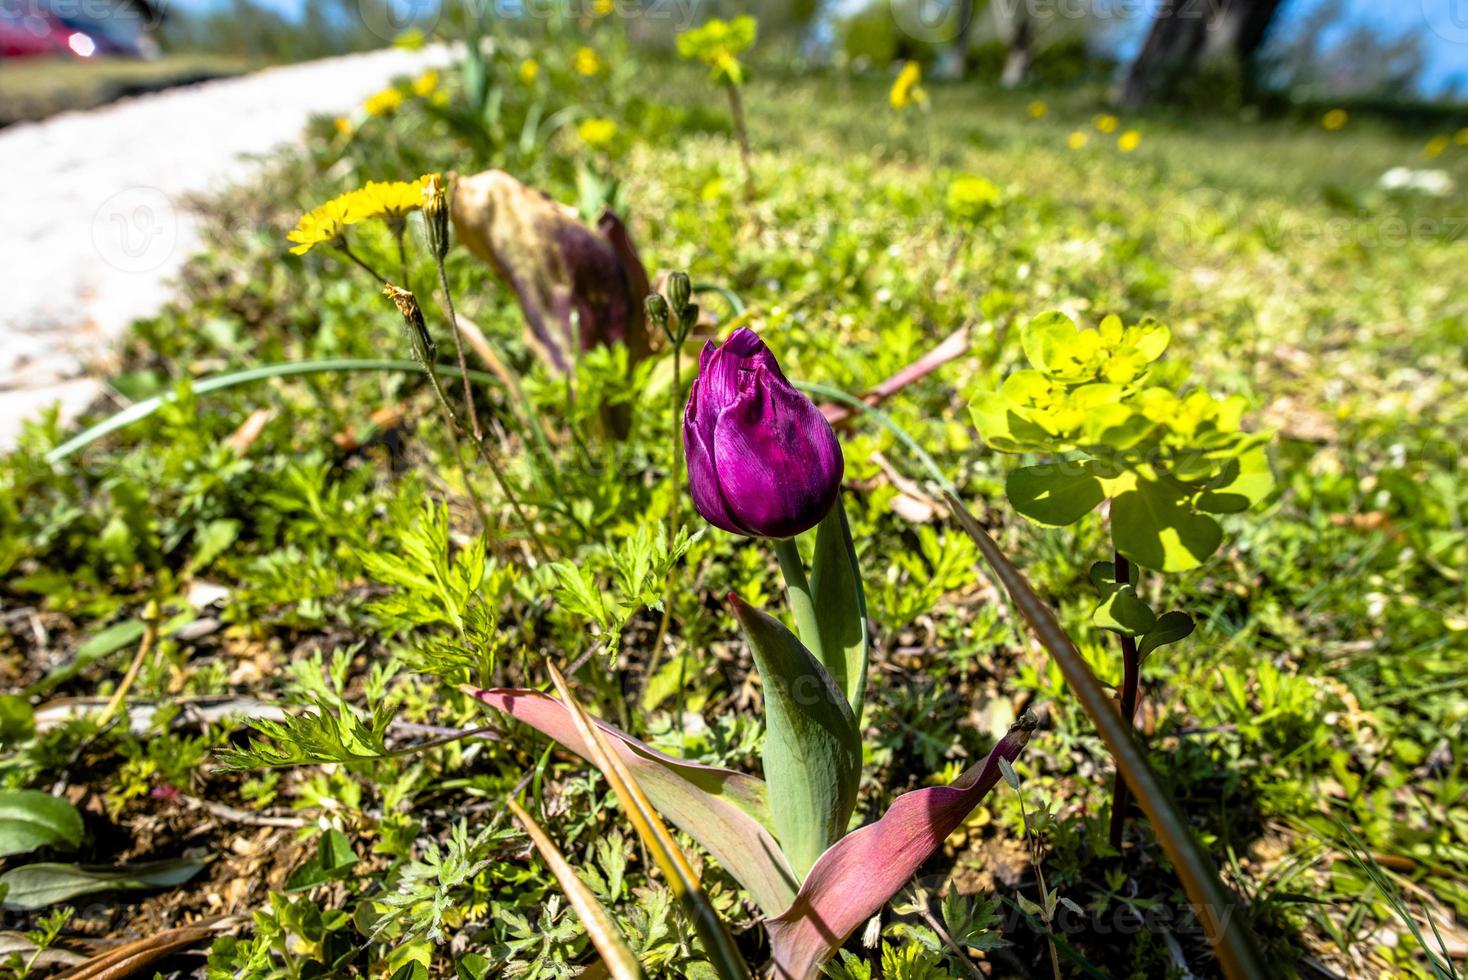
(324, 225)
(908, 89)
(384, 103)
(1077, 140)
(1461, 137)
(597, 132)
(1107, 123)
(1335, 119)
(1037, 109)
(1435, 147)
(529, 70)
(602, 8)
(587, 63)
(343, 127)
(391, 200)
(1129, 141)
(425, 84)
(972, 197)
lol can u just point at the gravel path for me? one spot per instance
(94, 224)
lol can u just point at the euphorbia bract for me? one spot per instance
(784, 838)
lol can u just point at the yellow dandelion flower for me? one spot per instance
(1435, 147)
(529, 70)
(1129, 141)
(907, 89)
(324, 225)
(1077, 140)
(383, 103)
(1037, 109)
(1335, 119)
(587, 62)
(343, 127)
(602, 8)
(425, 84)
(391, 200)
(1107, 123)
(596, 132)
(1461, 137)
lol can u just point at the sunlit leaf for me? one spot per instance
(840, 604)
(1054, 494)
(726, 812)
(1218, 909)
(1170, 628)
(1153, 526)
(867, 867)
(812, 752)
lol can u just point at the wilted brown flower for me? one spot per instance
(556, 265)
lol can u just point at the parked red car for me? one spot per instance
(27, 33)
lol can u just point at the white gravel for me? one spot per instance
(92, 222)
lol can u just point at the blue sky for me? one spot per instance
(1442, 25)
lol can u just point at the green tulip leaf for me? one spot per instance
(1171, 627)
(1153, 526)
(1121, 611)
(36, 886)
(841, 607)
(1055, 494)
(30, 819)
(812, 750)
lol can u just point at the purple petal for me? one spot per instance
(778, 461)
(703, 478)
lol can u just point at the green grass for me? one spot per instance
(1323, 689)
(35, 88)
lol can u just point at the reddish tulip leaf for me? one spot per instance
(726, 812)
(866, 868)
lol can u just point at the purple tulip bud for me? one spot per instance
(762, 460)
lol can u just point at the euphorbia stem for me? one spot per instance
(802, 606)
(746, 155)
(1131, 677)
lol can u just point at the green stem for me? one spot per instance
(802, 606)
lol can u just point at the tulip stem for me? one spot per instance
(797, 588)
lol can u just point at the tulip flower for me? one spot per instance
(762, 460)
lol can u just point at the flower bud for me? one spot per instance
(436, 215)
(680, 291)
(423, 346)
(657, 312)
(762, 460)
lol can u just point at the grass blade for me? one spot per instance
(1217, 908)
(717, 942)
(599, 925)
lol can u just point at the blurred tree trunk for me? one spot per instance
(1178, 38)
(952, 61)
(1017, 64)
